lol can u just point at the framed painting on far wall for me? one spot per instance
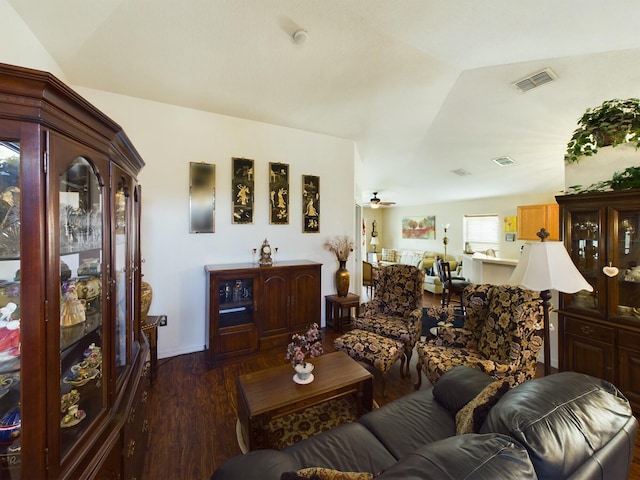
(310, 204)
(278, 193)
(242, 182)
(419, 227)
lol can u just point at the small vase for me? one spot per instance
(146, 295)
(342, 279)
(303, 372)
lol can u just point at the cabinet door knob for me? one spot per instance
(586, 330)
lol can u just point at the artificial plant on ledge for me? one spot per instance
(612, 123)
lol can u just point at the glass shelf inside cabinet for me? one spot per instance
(81, 300)
(236, 302)
(10, 324)
(585, 253)
(628, 260)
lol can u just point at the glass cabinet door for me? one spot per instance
(121, 275)
(82, 300)
(10, 301)
(587, 250)
(626, 257)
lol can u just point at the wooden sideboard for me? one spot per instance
(252, 308)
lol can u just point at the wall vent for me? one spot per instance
(504, 161)
(532, 81)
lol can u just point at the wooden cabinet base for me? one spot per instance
(252, 308)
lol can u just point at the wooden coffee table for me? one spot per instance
(268, 394)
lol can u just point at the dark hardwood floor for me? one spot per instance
(193, 411)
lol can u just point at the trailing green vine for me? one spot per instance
(612, 123)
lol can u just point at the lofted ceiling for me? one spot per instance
(424, 87)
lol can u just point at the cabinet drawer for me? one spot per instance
(630, 340)
(237, 341)
(274, 341)
(591, 330)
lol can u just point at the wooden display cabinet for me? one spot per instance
(72, 359)
(599, 332)
(531, 218)
(252, 308)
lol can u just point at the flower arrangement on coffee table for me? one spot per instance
(305, 345)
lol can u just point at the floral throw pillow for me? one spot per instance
(318, 473)
(470, 418)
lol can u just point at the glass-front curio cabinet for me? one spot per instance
(72, 358)
(599, 331)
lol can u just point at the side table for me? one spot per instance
(338, 310)
(150, 329)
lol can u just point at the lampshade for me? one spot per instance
(547, 266)
(374, 241)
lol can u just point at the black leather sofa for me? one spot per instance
(564, 426)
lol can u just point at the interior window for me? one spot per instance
(482, 232)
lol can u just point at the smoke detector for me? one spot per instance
(535, 80)
(300, 37)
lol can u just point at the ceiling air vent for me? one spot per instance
(461, 171)
(504, 161)
(535, 80)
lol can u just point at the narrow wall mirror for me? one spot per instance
(202, 198)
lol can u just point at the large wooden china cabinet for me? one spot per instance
(599, 332)
(72, 359)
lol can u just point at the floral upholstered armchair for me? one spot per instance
(501, 335)
(396, 310)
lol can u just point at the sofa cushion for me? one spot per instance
(472, 456)
(409, 422)
(348, 448)
(458, 386)
(256, 465)
(388, 255)
(470, 418)
(408, 257)
(563, 420)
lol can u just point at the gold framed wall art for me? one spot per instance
(310, 204)
(278, 193)
(242, 183)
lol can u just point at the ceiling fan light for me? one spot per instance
(374, 204)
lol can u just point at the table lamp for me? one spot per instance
(546, 266)
(374, 242)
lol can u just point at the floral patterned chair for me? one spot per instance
(396, 310)
(501, 335)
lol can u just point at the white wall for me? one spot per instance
(19, 46)
(168, 138)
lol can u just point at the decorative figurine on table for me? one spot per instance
(265, 254)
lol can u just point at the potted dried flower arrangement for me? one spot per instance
(341, 246)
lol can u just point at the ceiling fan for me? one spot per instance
(375, 202)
